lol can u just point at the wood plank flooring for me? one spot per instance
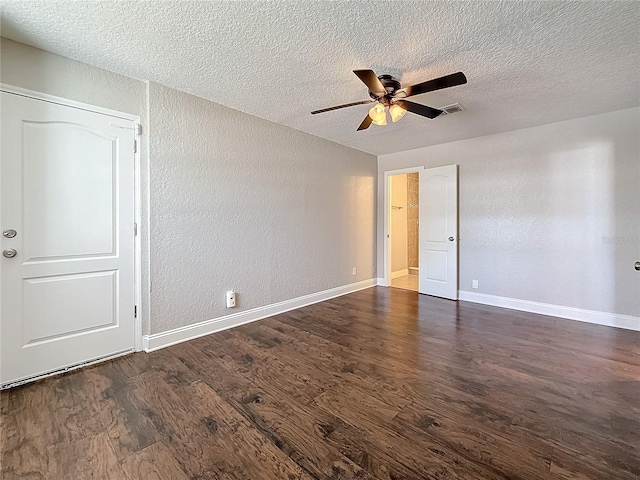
(378, 384)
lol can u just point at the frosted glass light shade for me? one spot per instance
(378, 114)
(397, 112)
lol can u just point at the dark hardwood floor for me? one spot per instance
(379, 384)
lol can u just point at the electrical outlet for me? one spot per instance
(474, 284)
(354, 271)
(231, 299)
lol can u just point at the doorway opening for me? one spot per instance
(432, 213)
(404, 201)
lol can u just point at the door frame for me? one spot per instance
(137, 267)
(386, 277)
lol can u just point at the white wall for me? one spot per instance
(548, 214)
(34, 69)
(398, 223)
(241, 203)
(235, 201)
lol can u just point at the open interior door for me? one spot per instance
(438, 257)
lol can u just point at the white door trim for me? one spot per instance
(137, 242)
(386, 277)
(137, 186)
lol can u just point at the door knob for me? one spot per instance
(637, 266)
(9, 252)
(451, 239)
(9, 233)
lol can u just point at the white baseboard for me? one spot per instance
(380, 282)
(182, 334)
(628, 322)
(399, 273)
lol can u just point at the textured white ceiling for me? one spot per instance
(528, 63)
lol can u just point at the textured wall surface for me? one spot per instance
(237, 202)
(398, 223)
(34, 69)
(548, 214)
(241, 203)
(528, 62)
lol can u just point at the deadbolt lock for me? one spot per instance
(10, 233)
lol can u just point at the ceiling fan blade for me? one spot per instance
(435, 84)
(341, 106)
(423, 110)
(371, 80)
(365, 123)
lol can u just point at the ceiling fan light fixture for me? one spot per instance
(397, 112)
(378, 114)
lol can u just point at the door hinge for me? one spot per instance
(135, 311)
(135, 229)
(135, 146)
(138, 129)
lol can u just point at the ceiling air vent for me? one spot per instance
(455, 108)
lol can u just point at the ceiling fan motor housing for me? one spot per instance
(390, 84)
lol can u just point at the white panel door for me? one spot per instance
(68, 192)
(438, 258)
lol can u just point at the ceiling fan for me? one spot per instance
(386, 91)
